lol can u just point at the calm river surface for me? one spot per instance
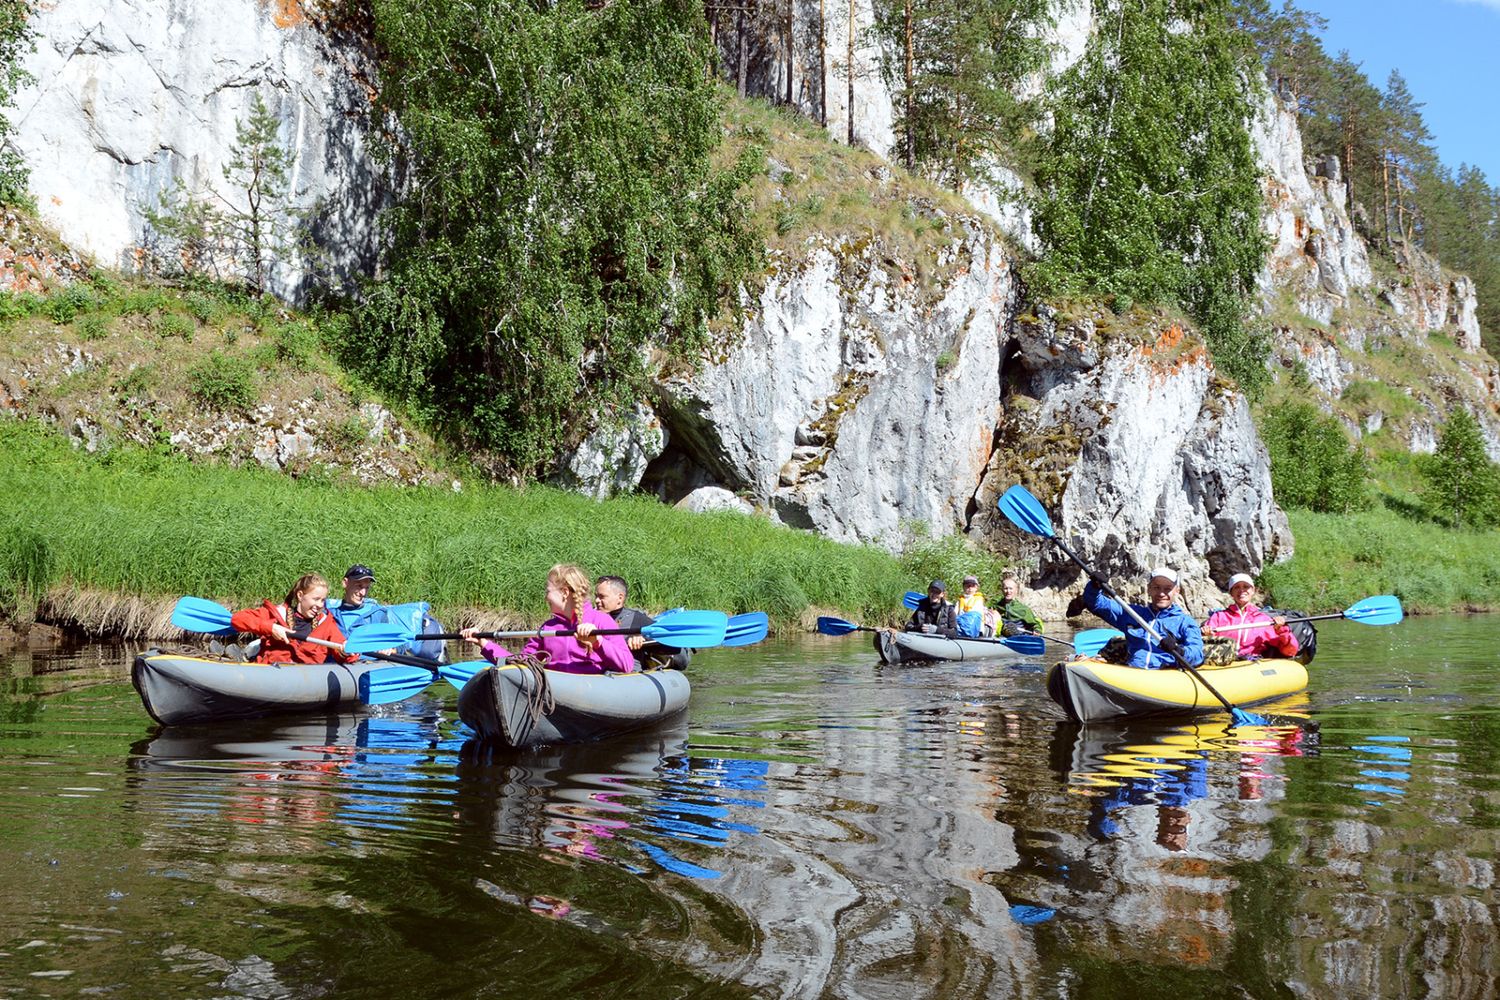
(815, 826)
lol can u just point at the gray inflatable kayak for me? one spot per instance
(178, 689)
(517, 706)
(913, 647)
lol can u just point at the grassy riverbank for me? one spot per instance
(133, 524)
(1342, 558)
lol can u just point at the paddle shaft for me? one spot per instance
(409, 661)
(1249, 625)
(534, 633)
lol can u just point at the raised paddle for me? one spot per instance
(1026, 512)
(746, 629)
(683, 629)
(1026, 645)
(1382, 610)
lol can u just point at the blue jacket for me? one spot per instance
(1143, 651)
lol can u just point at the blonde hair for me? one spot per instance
(304, 583)
(572, 579)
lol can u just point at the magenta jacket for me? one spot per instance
(565, 653)
(1268, 640)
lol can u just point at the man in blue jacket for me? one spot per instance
(1180, 635)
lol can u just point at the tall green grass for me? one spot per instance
(141, 523)
(1341, 558)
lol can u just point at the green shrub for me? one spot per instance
(141, 302)
(64, 306)
(203, 308)
(1313, 465)
(223, 381)
(1462, 485)
(92, 327)
(174, 325)
(19, 305)
(296, 344)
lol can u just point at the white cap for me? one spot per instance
(1239, 578)
(1165, 573)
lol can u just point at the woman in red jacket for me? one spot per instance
(301, 616)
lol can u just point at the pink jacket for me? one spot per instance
(1266, 640)
(566, 653)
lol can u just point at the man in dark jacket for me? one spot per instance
(935, 614)
(609, 596)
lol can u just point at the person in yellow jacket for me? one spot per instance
(972, 599)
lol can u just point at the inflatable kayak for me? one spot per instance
(910, 647)
(1090, 690)
(178, 689)
(519, 706)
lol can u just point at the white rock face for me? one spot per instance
(853, 404)
(1315, 250)
(133, 95)
(613, 458)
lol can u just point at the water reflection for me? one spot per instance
(639, 801)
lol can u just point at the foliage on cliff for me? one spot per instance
(1147, 184)
(958, 80)
(561, 213)
(15, 41)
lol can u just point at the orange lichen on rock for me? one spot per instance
(288, 13)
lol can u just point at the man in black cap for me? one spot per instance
(935, 613)
(356, 603)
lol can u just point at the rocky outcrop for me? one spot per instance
(855, 401)
(1316, 257)
(1141, 453)
(131, 97)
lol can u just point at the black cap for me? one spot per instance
(359, 571)
(937, 585)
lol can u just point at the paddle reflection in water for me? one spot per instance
(631, 801)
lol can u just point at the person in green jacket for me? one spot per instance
(1015, 617)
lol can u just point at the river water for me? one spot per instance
(815, 826)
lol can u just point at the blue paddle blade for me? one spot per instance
(1090, 641)
(1025, 512)
(689, 629)
(1382, 610)
(836, 626)
(1026, 645)
(912, 599)
(370, 638)
(459, 674)
(747, 629)
(194, 614)
(392, 684)
(1241, 717)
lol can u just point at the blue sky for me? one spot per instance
(1449, 52)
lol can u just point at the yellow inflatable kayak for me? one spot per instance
(1090, 690)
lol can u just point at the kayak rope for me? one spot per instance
(539, 699)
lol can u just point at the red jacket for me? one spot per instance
(258, 621)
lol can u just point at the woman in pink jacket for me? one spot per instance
(1270, 637)
(583, 652)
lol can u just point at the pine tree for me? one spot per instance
(244, 230)
(1462, 484)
